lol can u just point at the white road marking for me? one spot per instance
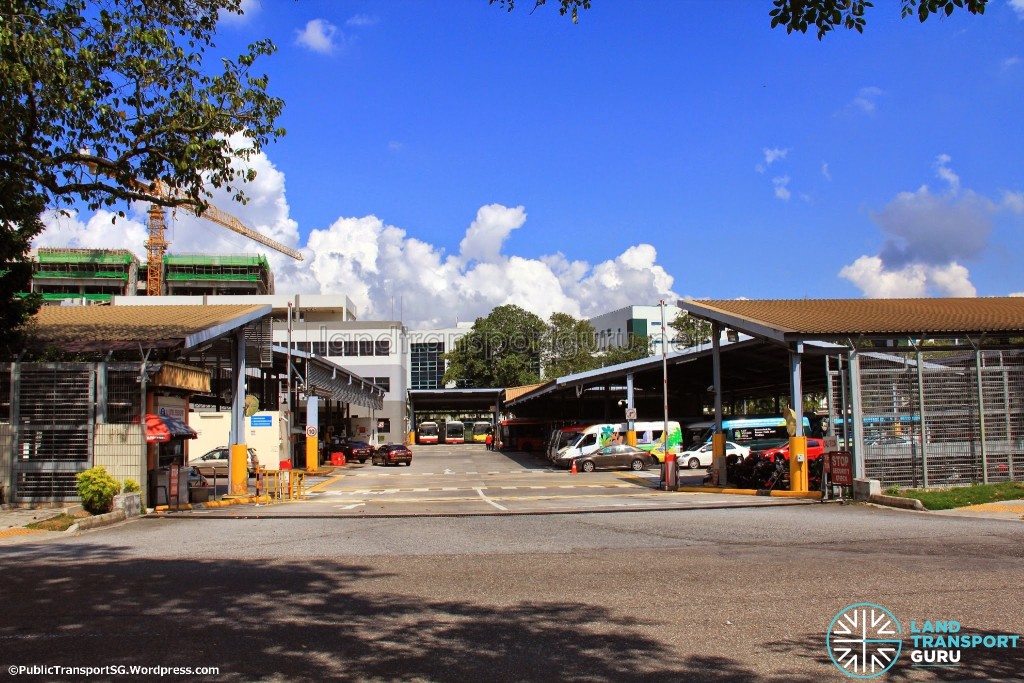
(350, 507)
(488, 500)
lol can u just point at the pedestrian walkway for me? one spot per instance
(1004, 509)
(14, 523)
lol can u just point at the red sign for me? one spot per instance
(841, 464)
(172, 486)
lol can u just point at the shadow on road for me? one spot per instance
(331, 620)
(274, 620)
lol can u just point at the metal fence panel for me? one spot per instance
(939, 419)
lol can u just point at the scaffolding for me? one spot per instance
(187, 274)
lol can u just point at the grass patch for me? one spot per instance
(962, 496)
(59, 523)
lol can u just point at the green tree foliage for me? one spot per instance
(800, 15)
(568, 346)
(636, 348)
(502, 350)
(100, 95)
(690, 331)
(19, 223)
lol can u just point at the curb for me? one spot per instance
(97, 521)
(223, 503)
(897, 502)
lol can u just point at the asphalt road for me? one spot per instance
(684, 595)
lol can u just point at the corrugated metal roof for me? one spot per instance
(116, 327)
(512, 393)
(831, 318)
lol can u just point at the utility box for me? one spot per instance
(160, 487)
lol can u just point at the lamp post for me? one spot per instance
(669, 472)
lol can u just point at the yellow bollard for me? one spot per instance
(798, 479)
(238, 474)
(631, 437)
(312, 453)
(720, 473)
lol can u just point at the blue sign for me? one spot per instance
(261, 421)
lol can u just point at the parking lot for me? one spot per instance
(467, 479)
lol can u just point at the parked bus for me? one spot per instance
(757, 433)
(480, 431)
(579, 440)
(454, 432)
(427, 432)
(523, 434)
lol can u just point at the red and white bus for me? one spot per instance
(454, 432)
(426, 432)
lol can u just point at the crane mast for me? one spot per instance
(156, 245)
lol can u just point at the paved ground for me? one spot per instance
(739, 594)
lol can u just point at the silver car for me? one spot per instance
(215, 462)
(614, 457)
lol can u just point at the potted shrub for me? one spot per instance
(130, 498)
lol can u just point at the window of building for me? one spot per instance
(382, 347)
(382, 382)
(351, 348)
(426, 365)
(384, 425)
(366, 347)
(320, 348)
(335, 347)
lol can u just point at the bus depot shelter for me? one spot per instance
(922, 392)
(77, 397)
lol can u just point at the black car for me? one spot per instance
(392, 454)
(357, 450)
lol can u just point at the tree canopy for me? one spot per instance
(103, 99)
(568, 346)
(800, 15)
(690, 331)
(100, 95)
(513, 347)
(502, 350)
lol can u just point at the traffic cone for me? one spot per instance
(573, 470)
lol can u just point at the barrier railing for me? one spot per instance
(275, 486)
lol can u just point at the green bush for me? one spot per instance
(97, 489)
(130, 486)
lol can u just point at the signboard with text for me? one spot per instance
(841, 466)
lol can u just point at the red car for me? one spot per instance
(815, 449)
(392, 454)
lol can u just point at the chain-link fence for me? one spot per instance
(934, 419)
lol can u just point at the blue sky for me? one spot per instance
(455, 157)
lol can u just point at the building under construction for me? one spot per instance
(84, 275)
(197, 274)
(94, 275)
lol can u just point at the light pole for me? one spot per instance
(669, 472)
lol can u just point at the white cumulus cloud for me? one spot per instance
(928, 237)
(384, 270)
(318, 35)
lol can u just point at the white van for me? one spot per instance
(583, 440)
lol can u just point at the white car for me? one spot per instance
(701, 457)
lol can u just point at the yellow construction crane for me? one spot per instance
(156, 245)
